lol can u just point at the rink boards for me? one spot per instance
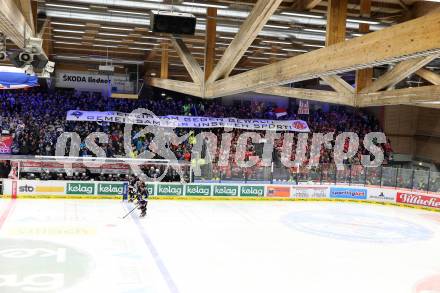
(118, 190)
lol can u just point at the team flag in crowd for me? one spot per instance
(16, 78)
(280, 112)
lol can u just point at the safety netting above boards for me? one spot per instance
(188, 121)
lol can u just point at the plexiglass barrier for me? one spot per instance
(325, 174)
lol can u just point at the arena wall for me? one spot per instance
(413, 131)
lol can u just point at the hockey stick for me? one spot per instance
(130, 212)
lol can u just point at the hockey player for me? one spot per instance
(142, 199)
(132, 188)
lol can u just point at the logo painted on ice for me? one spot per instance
(225, 190)
(80, 188)
(251, 190)
(168, 189)
(44, 266)
(198, 190)
(356, 226)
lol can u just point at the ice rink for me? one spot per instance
(217, 247)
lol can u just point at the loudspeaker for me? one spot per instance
(25, 57)
(173, 23)
(14, 57)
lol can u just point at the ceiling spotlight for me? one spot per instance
(204, 5)
(361, 20)
(308, 15)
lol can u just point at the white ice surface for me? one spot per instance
(222, 247)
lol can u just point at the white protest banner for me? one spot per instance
(188, 121)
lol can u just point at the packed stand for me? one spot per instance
(37, 118)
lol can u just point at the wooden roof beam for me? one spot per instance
(338, 84)
(306, 4)
(309, 94)
(210, 41)
(13, 24)
(398, 73)
(407, 96)
(249, 30)
(26, 10)
(46, 35)
(188, 60)
(428, 75)
(336, 31)
(336, 22)
(184, 87)
(164, 60)
(364, 77)
(417, 37)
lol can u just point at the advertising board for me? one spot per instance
(348, 193)
(169, 189)
(419, 200)
(252, 190)
(309, 192)
(225, 190)
(382, 195)
(197, 190)
(278, 191)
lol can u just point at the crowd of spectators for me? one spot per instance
(36, 118)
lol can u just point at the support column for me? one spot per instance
(364, 77)
(34, 7)
(336, 21)
(47, 40)
(26, 10)
(336, 31)
(421, 8)
(164, 61)
(210, 40)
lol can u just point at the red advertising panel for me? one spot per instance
(5, 144)
(417, 199)
(278, 191)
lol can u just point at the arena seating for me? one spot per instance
(36, 118)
